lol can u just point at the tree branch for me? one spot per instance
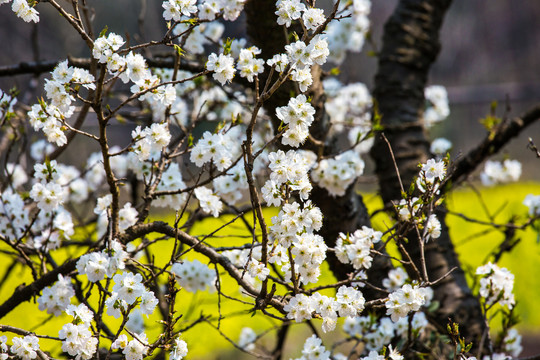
(491, 144)
(40, 67)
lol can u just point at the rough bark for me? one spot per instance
(410, 46)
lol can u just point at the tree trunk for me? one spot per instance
(410, 46)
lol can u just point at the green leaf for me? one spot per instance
(181, 52)
(335, 71)
(227, 46)
(104, 31)
(372, 53)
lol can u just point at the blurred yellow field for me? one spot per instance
(473, 243)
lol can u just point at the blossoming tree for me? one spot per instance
(219, 127)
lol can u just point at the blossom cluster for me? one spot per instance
(14, 217)
(533, 203)
(396, 278)
(293, 228)
(150, 141)
(290, 169)
(348, 302)
(97, 265)
(132, 67)
(7, 102)
(171, 180)
(350, 32)
(298, 115)
(438, 108)
(496, 285)
(134, 349)
(301, 56)
(77, 338)
(179, 10)
(56, 298)
(314, 349)
(349, 108)
(338, 173)
(221, 148)
(247, 339)
(22, 9)
(194, 276)
(26, 348)
(179, 349)
(440, 146)
(51, 118)
(127, 290)
(409, 298)
(376, 333)
(496, 172)
(47, 192)
(355, 248)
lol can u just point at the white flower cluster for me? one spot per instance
(349, 108)
(433, 170)
(199, 36)
(408, 209)
(348, 302)
(289, 10)
(531, 201)
(25, 348)
(248, 64)
(50, 118)
(298, 115)
(14, 217)
(396, 278)
(171, 180)
(496, 172)
(221, 148)
(3, 348)
(131, 67)
(432, 173)
(223, 67)
(355, 248)
(179, 349)
(295, 227)
(512, 343)
(302, 56)
(77, 339)
(377, 333)
(496, 285)
(349, 33)
(409, 298)
(209, 202)
(6, 103)
(314, 350)
(438, 108)
(290, 169)
(440, 146)
(247, 339)
(56, 298)
(48, 193)
(127, 290)
(336, 174)
(22, 9)
(194, 276)
(179, 10)
(150, 141)
(134, 349)
(231, 186)
(97, 265)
